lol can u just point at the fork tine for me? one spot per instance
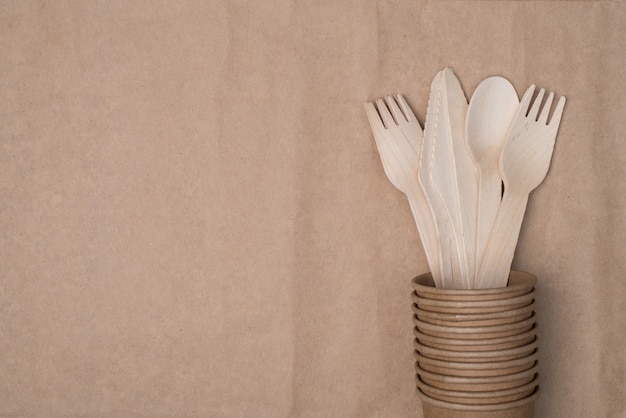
(406, 109)
(536, 105)
(545, 111)
(384, 113)
(378, 130)
(525, 102)
(395, 110)
(372, 116)
(558, 112)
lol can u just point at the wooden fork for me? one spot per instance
(523, 165)
(398, 137)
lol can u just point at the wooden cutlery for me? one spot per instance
(452, 171)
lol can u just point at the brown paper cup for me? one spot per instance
(434, 408)
(474, 320)
(489, 369)
(473, 307)
(474, 373)
(476, 349)
(475, 333)
(474, 356)
(519, 284)
(478, 398)
(477, 384)
(487, 344)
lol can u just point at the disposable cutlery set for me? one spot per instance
(468, 173)
(467, 176)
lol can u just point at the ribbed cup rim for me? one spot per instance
(487, 394)
(532, 358)
(425, 338)
(488, 407)
(462, 318)
(465, 331)
(424, 302)
(476, 380)
(477, 401)
(464, 308)
(518, 280)
(482, 323)
(475, 355)
(475, 373)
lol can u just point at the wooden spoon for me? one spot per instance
(490, 113)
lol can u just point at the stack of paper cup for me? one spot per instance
(476, 349)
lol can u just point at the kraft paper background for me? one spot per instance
(194, 219)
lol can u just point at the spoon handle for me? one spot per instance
(496, 264)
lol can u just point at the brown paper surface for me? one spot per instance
(194, 219)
